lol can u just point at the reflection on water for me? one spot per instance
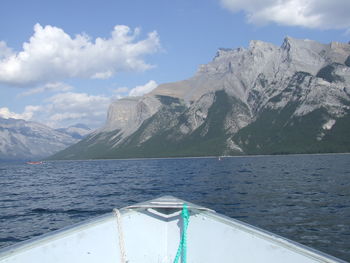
(304, 198)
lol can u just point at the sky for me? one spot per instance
(63, 62)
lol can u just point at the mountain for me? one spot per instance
(263, 99)
(77, 131)
(24, 140)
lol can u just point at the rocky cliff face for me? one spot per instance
(127, 114)
(260, 99)
(25, 140)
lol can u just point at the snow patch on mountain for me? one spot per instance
(329, 124)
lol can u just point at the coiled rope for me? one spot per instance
(183, 242)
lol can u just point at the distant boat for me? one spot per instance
(40, 162)
(166, 230)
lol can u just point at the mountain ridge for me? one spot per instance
(28, 140)
(77, 131)
(245, 101)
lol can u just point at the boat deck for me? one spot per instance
(151, 232)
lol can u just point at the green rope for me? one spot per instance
(183, 242)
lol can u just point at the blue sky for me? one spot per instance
(62, 62)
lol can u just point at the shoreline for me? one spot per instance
(199, 157)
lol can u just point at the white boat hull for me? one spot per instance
(151, 232)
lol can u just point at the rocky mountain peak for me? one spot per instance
(237, 70)
(261, 45)
(340, 46)
(255, 100)
(222, 52)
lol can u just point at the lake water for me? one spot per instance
(305, 198)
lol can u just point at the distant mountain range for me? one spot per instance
(25, 140)
(263, 99)
(77, 131)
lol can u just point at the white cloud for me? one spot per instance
(5, 51)
(121, 90)
(119, 93)
(7, 114)
(52, 55)
(141, 90)
(65, 109)
(322, 14)
(69, 108)
(54, 86)
(102, 75)
(26, 115)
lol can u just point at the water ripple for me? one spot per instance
(304, 198)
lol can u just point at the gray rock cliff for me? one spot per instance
(245, 101)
